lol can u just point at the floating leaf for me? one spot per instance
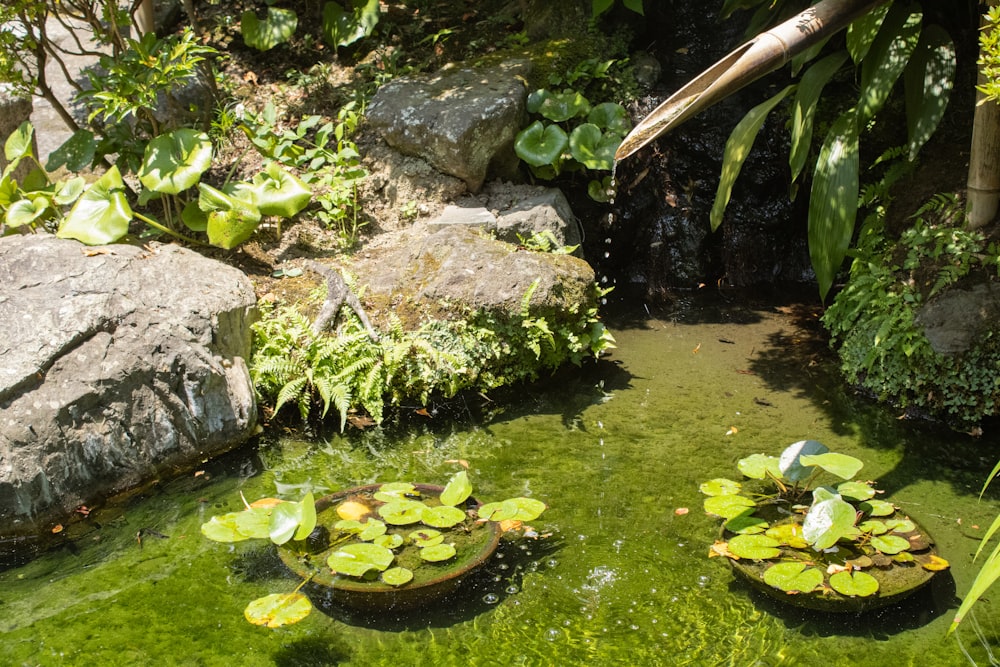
(284, 522)
(876, 507)
(890, 544)
(789, 534)
(394, 491)
(349, 526)
(352, 509)
(854, 584)
(935, 563)
(442, 516)
(401, 512)
(757, 466)
(856, 490)
(397, 576)
(841, 465)
(354, 560)
(222, 529)
(278, 609)
(521, 509)
(827, 521)
(793, 577)
(900, 525)
(746, 524)
(903, 557)
(392, 541)
(728, 506)
(438, 552)
(458, 489)
(873, 526)
(720, 487)
(755, 547)
(425, 537)
(373, 528)
(789, 464)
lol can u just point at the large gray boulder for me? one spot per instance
(960, 317)
(118, 364)
(461, 121)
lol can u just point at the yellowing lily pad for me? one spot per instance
(858, 584)
(720, 487)
(278, 609)
(935, 564)
(789, 534)
(389, 541)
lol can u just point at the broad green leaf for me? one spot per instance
(827, 521)
(804, 108)
(392, 541)
(69, 191)
(720, 487)
(793, 577)
(77, 152)
(394, 491)
(349, 526)
(193, 217)
(789, 464)
(855, 490)
(746, 524)
(885, 61)
(285, 519)
(102, 213)
(528, 509)
(540, 145)
(373, 528)
(890, 544)
(900, 525)
(20, 143)
(342, 27)
(873, 526)
(635, 6)
(598, 7)
(354, 560)
(254, 522)
(458, 489)
(231, 220)
(610, 116)
(173, 162)
(278, 609)
(307, 517)
(876, 507)
(397, 576)
(222, 529)
(279, 192)
(277, 28)
(401, 512)
(833, 200)
(841, 465)
(754, 547)
(789, 534)
(600, 190)
(737, 148)
(27, 211)
(438, 552)
(859, 584)
(757, 466)
(728, 507)
(558, 107)
(929, 77)
(425, 537)
(592, 148)
(442, 516)
(861, 33)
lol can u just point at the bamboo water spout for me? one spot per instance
(763, 54)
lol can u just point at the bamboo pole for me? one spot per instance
(763, 54)
(984, 159)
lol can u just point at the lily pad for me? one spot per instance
(757, 466)
(828, 521)
(858, 584)
(754, 547)
(373, 528)
(397, 576)
(789, 534)
(458, 489)
(720, 486)
(890, 544)
(355, 560)
(791, 467)
(402, 512)
(855, 490)
(728, 506)
(394, 491)
(873, 526)
(438, 552)
(900, 525)
(392, 541)
(746, 524)
(278, 609)
(793, 577)
(841, 465)
(426, 537)
(442, 516)
(877, 507)
(519, 509)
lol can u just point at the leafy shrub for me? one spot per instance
(872, 320)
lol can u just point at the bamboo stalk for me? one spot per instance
(763, 54)
(984, 159)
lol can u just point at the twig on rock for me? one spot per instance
(337, 292)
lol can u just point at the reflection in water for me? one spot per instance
(619, 572)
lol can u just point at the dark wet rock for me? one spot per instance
(118, 364)
(957, 318)
(460, 121)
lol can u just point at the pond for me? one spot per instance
(621, 574)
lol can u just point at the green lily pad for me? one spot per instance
(746, 524)
(900, 525)
(755, 547)
(349, 526)
(397, 576)
(728, 506)
(354, 560)
(278, 609)
(858, 584)
(827, 521)
(789, 461)
(855, 490)
(877, 507)
(793, 577)
(720, 486)
(757, 466)
(873, 526)
(401, 512)
(373, 528)
(442, 516)
(392, 541)
(458, 489)
(394, 491)
(890, 544)
(789, 534)
(438, 552)
(426, 537)
(518, 509)
(841, 465)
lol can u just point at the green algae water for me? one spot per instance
(622, 576)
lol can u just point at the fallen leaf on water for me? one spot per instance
(266, 502)
(508, 525)
(461, 462)
(423, 412)
(681, 511)
(721, 548)
(199, 473)
(83, 509)
(732, 430)
(683, 50)
(935, 564)
(697, 348)
(360, 421)
(353, 510)
(58, 528)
